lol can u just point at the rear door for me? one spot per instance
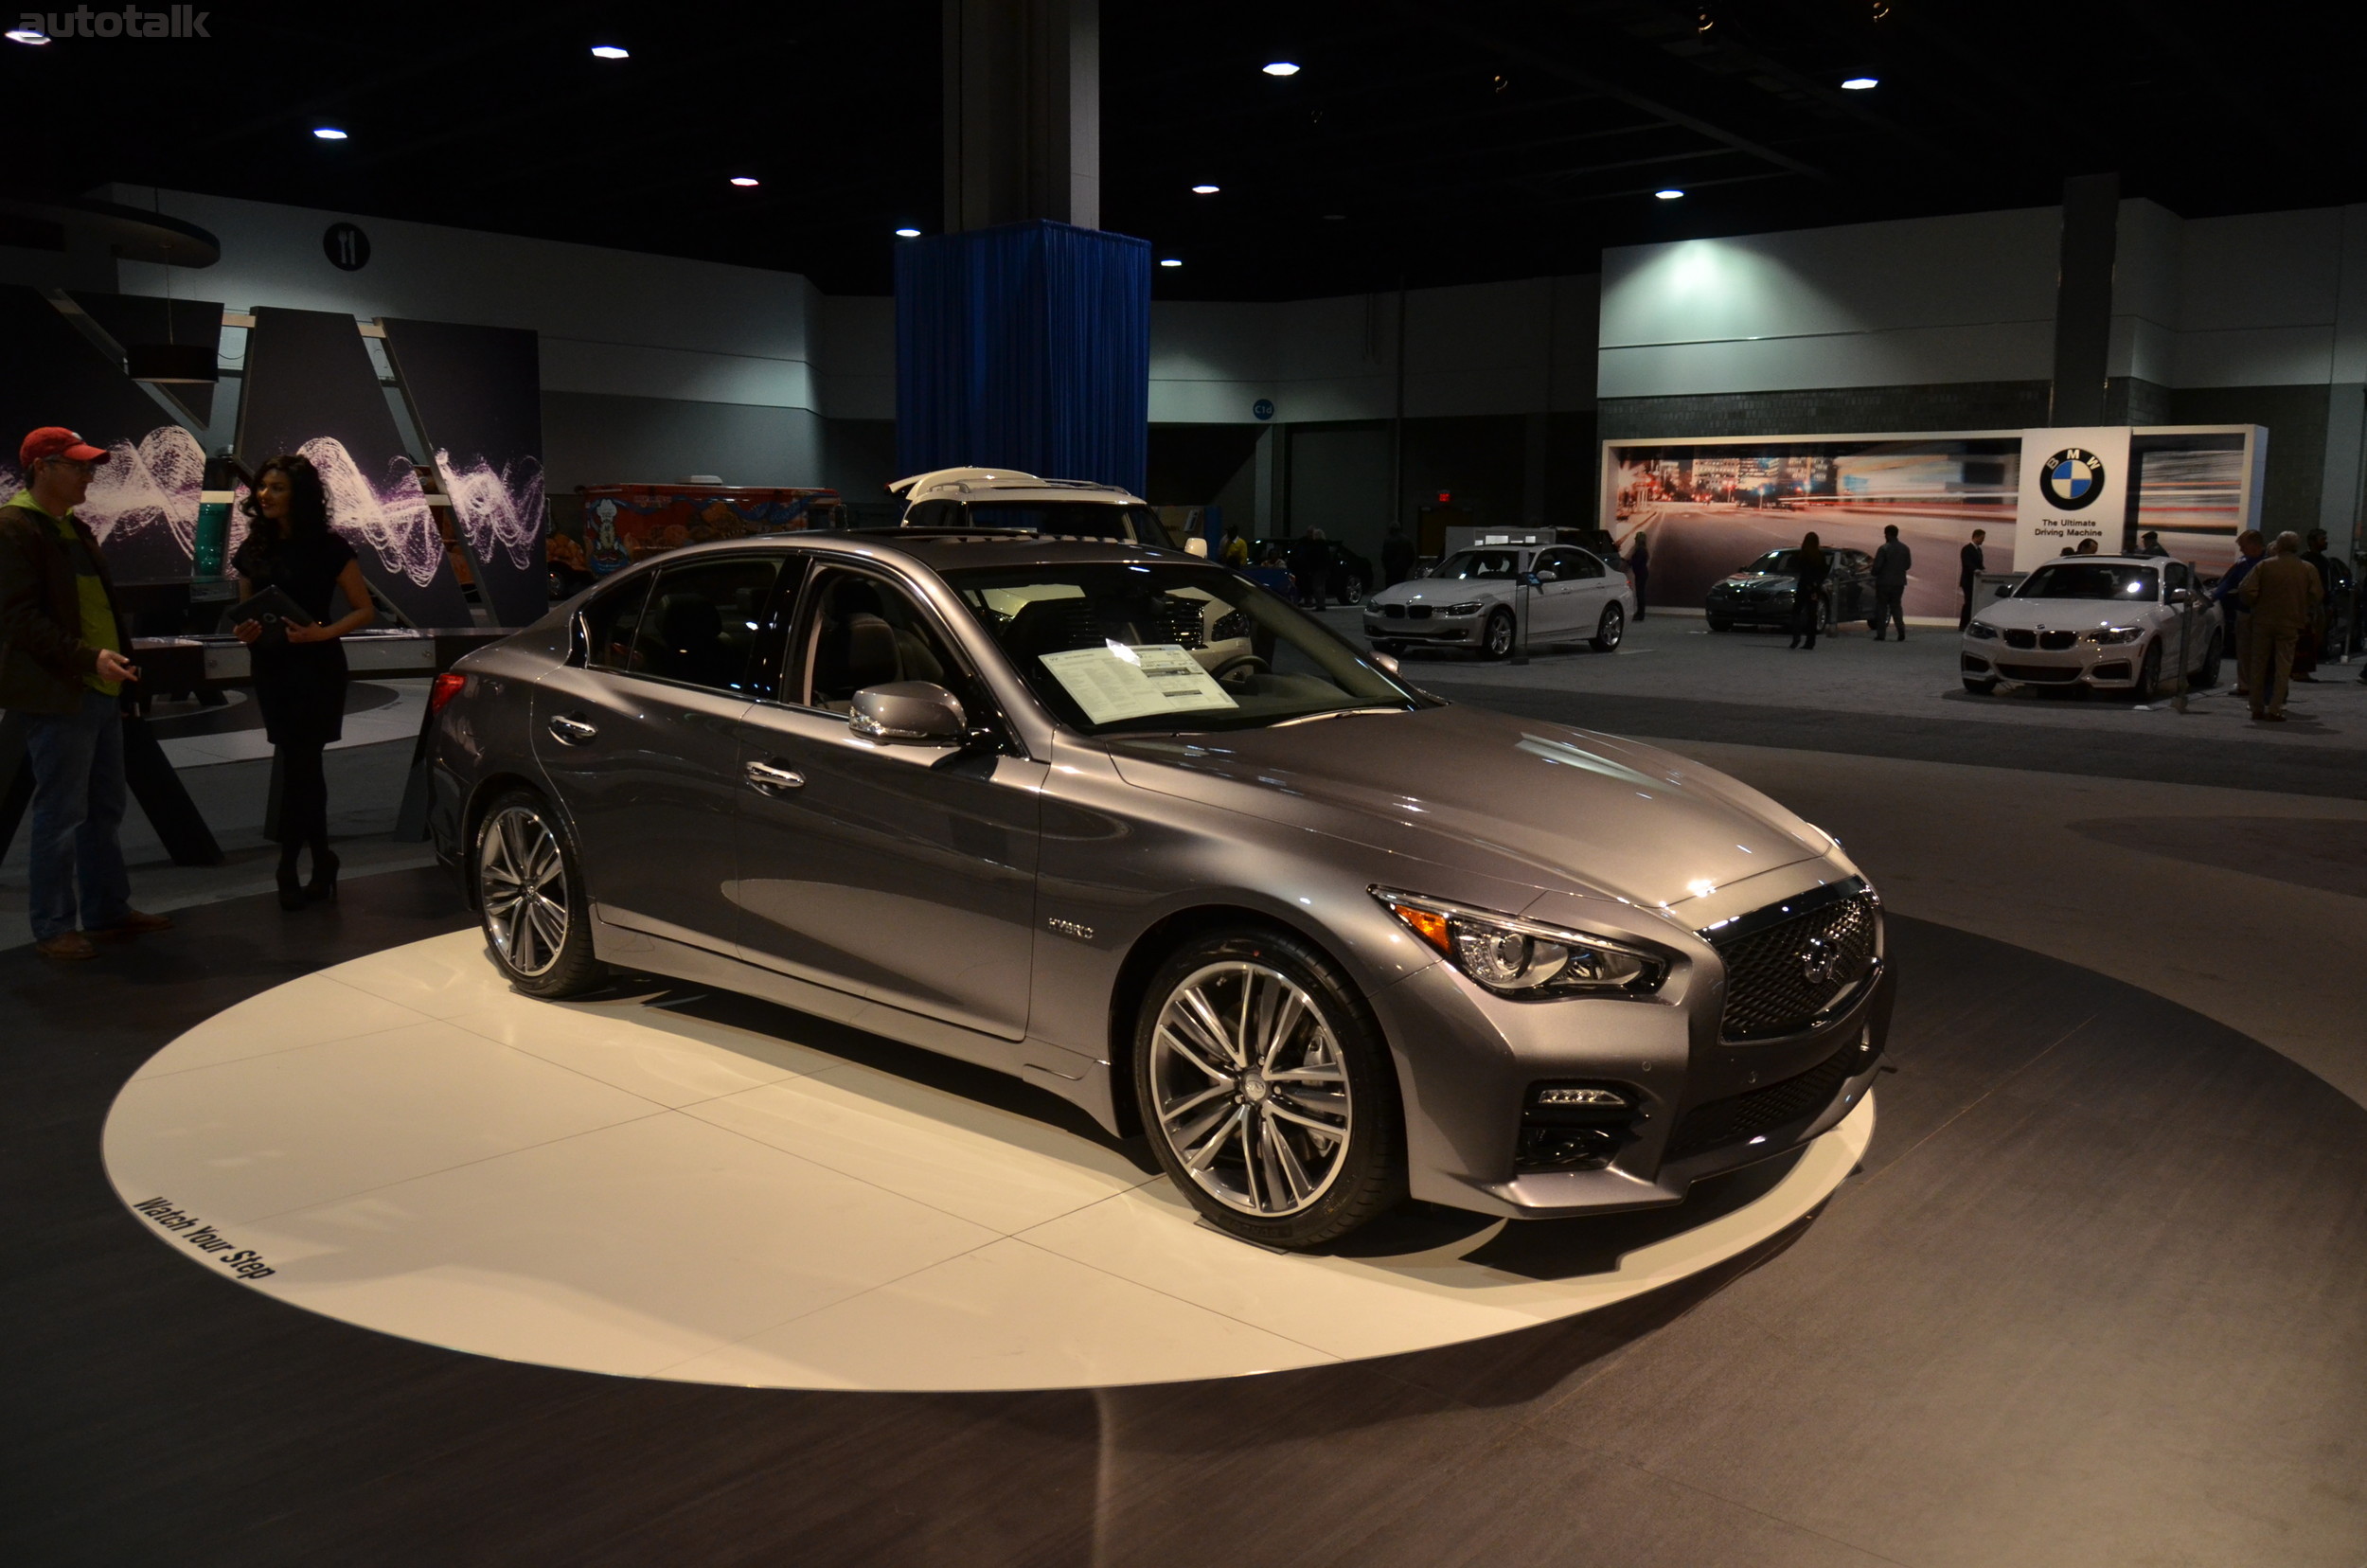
(639, 739)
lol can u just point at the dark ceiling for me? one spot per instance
(1423, 140)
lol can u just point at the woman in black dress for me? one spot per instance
(300, 671)
(1810, 568)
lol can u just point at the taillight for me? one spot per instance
(447, 687)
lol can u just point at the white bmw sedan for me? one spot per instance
(2117, 622)
(1475, 598)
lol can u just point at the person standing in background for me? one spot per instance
(1809, 569)
(2227, 595)
(1396, 556)
(1640, 567)
(1235, 550)
(2281, 595)
(2149, 544)
(1970, 563)
(63, 668)
(1891, 562)
(2315, 642)
(300, 671)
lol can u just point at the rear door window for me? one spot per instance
(706, 619)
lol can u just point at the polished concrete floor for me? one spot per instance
(2098, 1295)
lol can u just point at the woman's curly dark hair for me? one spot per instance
(308, 498)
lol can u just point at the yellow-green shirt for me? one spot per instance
(98, 616)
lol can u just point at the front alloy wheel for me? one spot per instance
(1496, 639)
(1265, 1092)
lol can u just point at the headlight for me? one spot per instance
(1981, 632)
(1471, 608)
(2108, 635)
(1524, 958)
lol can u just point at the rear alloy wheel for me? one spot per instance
(530, 900)
(1354, 593)
(1607, 631)
(2149, 674)
(1266, 1090)
(1496, 639)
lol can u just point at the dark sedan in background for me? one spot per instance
(1761, 593)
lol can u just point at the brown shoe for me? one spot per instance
(72, 945)
(135, 923)
(2269, 718)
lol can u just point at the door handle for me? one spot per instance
(570, 731)
(771, 778)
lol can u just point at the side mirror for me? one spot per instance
(2179, 596)
(909, 713)
(2003, 591)
(1531, 580)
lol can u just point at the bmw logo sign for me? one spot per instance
(2071, 478)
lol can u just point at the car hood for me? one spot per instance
(1759, 580)
(2057, 615)
(1440, 591)
(1516, 799)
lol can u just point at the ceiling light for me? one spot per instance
(1170, 261)
(329, 132)
(1205, 190)
(908, 234)
(610, 51)
(28, 35)
(1671, 194)
(1859, 84)
(1280, 68)
(745, 182)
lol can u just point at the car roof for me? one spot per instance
(944, 549)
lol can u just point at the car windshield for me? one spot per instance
(1075, 519)
(1118, 646)
(1481, 565)
(1778, 562)
(2089, 579)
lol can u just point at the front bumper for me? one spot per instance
(1379, 626)
(1756, 609)
(1700, 1107)
(2102, 664)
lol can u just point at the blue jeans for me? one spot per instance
(77, 760)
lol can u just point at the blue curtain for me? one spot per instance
(1024, 346)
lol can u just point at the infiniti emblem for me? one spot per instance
(1818, 959)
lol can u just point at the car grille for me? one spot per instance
(2054, 642)
(1770, 989)
(1395, 612)
(2040, 674)
(1417, 612)
(1722, 1123)
(2020, 636)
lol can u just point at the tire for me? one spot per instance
(2207, 674)
(1354, 593)
(1719, 623)
(1609, 629)
(1979, 687)
(2149, 685)
(1496, 638)
(530, 899)
(1249, 1144)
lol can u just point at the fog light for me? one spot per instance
(1605, 1099)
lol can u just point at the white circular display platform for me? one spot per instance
(403, 1143)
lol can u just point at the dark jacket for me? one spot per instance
(1971, 561)
(43, 657)
(1889, 565)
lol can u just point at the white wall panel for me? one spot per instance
(2004, 350)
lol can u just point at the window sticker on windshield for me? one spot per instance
(1117, 681)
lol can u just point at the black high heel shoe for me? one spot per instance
(291, 891)
(323, 888)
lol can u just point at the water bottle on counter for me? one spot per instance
(217, 490)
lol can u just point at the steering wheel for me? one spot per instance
(1241, 666)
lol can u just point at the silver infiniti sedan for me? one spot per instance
(1129, 826)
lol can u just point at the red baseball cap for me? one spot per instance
(58, 441)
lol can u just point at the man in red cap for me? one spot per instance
(63, 666)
